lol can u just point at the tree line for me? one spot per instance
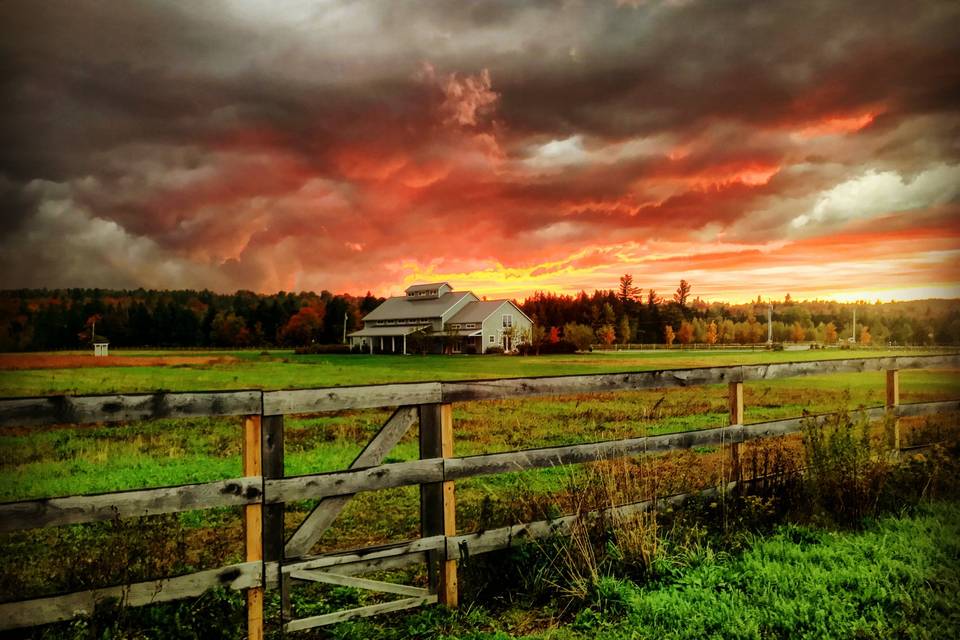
(630, 314)
(45, 319)
(42, 319)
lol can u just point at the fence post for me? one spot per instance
(437, 501)
(253, 523)
(271, 447)
(736, 418)
(893, 400)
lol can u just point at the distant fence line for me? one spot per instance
(271, 561)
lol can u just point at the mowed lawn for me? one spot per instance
(285, 370)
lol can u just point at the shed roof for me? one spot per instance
(403, 308)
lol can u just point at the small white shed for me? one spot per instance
(101, 348)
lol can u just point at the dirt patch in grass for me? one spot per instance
(17, 361)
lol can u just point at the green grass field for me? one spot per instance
(285, 370)
(69, 459)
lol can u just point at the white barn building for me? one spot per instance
(443, 320)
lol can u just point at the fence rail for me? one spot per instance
(273, 562)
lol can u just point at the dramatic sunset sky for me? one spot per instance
(506, 147)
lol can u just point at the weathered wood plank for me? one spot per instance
(29, 613)
(107, 408)
(271, 455)
(593, 383)
(359, 583)
(384, 476)
(323, 515)
(458, 468)
(915, 409)
(471, 544)
(360, 612)
(735, 404)
(337, 398)
(335, 562)
(51, 512)
(116, 408)
(438, 469)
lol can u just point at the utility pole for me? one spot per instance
(344, 327)
(853, 338)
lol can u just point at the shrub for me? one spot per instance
(494, 350)
(561, 347)
(846, 468)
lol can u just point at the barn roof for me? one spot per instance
(480, 310)
(403, 308)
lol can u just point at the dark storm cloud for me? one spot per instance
(235, 139)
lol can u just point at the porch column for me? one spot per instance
(371, 345)
(404, 344)
(381, 343)
(393, 344)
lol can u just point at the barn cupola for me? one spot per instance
(430, 291)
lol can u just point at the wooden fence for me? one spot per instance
(271, 561)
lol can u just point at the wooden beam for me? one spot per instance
(360, 612)
(20, 412)
(51, 512)
(336, 561)
(487, 464)
(253, 523)
(359, 583)
(480, 542)
(338, 398)
(29, 613)
(271, 455)
(385, 476)
(893, 402)
(437, 499)
(323, 515)
(440, 469)
(735, 397)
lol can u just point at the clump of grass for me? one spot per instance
(846, 467)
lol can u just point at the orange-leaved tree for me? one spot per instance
(669, 335)
(830, 333)
(303, 327)
(712, 333)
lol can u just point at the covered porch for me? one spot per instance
(384, 339)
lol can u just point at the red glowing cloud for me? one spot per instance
(505, 149)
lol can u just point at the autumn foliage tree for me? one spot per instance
(623, 330)
(669, 335)
(682, 293)
(865, 338)
(627, 291)
(797, 332)
(712, 333)
(606, 334)
(229, 330)
(685, 333)
(303, 327)
(830, 333)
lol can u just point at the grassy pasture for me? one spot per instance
(65, 460)
(285, 370)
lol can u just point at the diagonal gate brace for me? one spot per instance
(323, 515)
